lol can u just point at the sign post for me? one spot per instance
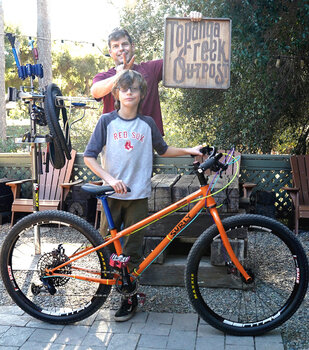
(197, 54)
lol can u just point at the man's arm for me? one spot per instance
(103, 87)
(118, 185)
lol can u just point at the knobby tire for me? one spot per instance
(274, 257)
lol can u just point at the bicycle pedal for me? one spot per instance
(141, 297)
(119, 262)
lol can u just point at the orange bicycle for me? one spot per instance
(72, 275)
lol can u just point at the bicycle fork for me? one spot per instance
(211, 205)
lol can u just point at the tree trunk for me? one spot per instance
(44, 41)
(2, 78)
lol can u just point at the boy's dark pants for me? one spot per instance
(128, 212)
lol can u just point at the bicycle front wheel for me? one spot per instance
(272, 256)
(45, 240)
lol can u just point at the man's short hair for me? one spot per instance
(117, 34)
(126, 80)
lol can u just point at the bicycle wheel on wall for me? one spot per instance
(274, 258)
(59, 300)
(61, 144)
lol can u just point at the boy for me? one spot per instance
(127, 139)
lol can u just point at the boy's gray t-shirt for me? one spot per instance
(127, 147)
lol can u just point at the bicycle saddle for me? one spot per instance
(99, 190)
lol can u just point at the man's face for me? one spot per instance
(120, 47)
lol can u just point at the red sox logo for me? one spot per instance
(128, 146)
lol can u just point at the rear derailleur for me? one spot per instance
(47, 262)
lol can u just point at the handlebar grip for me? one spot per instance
(208, 163)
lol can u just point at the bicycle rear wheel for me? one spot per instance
(270, 253)
(59, 300)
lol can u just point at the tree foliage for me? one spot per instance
(266, 107)
(74, 74)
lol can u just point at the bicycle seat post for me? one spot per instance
(110, 221)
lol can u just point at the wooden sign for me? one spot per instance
(197, 54)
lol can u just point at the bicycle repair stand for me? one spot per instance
(37, 116)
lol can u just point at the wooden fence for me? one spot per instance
(269, 172)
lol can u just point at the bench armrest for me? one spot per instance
(248, 187)
(17, 182)
(70, 184)
(290, 189)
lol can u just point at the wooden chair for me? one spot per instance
(54, 188)
(300, 190)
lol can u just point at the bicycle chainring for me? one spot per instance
(126, 291)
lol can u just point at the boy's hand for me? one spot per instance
(119, 186)
(195, 151)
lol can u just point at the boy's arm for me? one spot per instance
(118, 185)
(176, 152)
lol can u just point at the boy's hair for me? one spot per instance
(126, 80)
(117, 34)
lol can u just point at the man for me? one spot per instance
(121, 50)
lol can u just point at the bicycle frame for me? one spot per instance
(206, 201)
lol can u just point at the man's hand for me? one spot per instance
(195, 16)
(125, 65)
(128, 65)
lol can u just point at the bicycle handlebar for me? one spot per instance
(212, 162)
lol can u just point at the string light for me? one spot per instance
(62, 41)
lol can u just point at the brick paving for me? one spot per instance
(145, 331)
